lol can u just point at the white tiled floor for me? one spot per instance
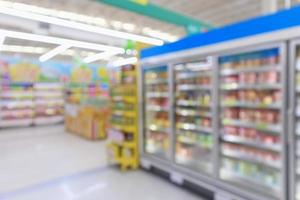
(45, 163)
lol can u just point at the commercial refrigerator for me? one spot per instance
(252, 119)
(225, 118)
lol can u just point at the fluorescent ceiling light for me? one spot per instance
(2, 39)
(58, 50)
(80, 26)
(59, 41)
(101, 56)
(40, 50)
(125, 61)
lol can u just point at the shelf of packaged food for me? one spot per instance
(52, 102)
(192, 103)
(47, 87)
(245, 180)
(158, 128)
(276, 128)
(248, 142)
(157, 82)
(17, 94)
(188, 141)
(15, 122)
(193, 127)
(188, 75)
(16, 112)
(157, 108)
(157, 94)
(187, 87)
(276, 105)
(129, 99)
(192, 113)
(49, 94)
(124, 113)
(259, 69)
(125, 128)
(250, 158)
(241, 86)
(14, 104)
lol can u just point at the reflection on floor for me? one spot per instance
(45, 163)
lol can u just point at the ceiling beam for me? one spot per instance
(162, 14)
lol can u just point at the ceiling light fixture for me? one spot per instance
(59, 41)
(101, 56)
(80, 26)
(125, 61)
(58, 50)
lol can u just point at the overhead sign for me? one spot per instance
(142, 2)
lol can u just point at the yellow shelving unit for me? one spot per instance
(123, 132)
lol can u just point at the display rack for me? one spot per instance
(123, 131)
(49, 103)
(86, 110)
(17, 104)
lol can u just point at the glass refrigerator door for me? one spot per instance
(251, 120)
(297, 124)
(193, 121)
(156, 108)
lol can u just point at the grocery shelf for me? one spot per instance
(156, 128)
(247, 142)
(188, 75)
(190, 112)
(193, 87)
(15, 122)
(251, 159)
(157, 94)
(156, 81)
(239, 86)
(264, 68)
(194, 127)
(157, 108)
(258, 125)
(276, 105)
(191, 103)
(188, 141)
(247, 180)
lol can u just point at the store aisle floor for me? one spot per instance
(46, 163)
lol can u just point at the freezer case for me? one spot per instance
(194, 113)
(156, 111)
(294, 118)
(252, 120)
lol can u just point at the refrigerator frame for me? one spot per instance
(293, 44)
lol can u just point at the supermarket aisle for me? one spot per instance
(46, 163)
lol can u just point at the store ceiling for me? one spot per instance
(215, 12)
